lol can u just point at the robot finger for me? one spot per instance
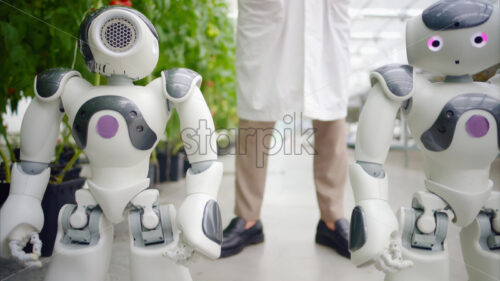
(180, 254)
(37, 244)
(381, 266)
(195, 257)
(395, 263)
(188, 255)
(385, 263)
(192, 259)
(403, 264)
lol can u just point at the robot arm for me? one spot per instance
(373, 221)
(21, 217)
(199, 215)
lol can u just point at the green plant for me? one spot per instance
(5, 160)
(197, 35)
(36, 35)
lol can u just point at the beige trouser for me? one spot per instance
(330, 167)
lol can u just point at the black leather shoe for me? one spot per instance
(235, 237)
(337, 240)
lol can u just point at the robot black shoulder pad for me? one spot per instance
(50, 83)
(178, 83)
(396, 80)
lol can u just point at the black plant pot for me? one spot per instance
(187, 165)
(4, 192)
(153, 174)
(4, 186)
(56, 196)
(163, 166)
(177, 166)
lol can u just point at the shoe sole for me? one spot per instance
(233, 251)
(328, 243)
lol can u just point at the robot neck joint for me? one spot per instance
(458, 79)
(120, 80)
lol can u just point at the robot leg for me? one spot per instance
(153, 234)
(83, 245)
(481, 244)
(423, 240)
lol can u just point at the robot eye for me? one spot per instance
(479, 39)
(435, 43)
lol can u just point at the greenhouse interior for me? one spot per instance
(244, 140)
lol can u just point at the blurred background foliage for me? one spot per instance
(37, 35)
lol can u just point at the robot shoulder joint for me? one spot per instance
(178, 83)
(49, 85)
(397, 81)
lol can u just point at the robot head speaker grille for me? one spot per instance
(118, 34)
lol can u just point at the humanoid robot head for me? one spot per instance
(455, 37)
(119, 41)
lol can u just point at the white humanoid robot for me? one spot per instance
(117, 125)
(456, 126)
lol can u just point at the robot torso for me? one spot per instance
(455, 125)
(117, 126)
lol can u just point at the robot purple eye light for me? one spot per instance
(435, 43)
(479, 40)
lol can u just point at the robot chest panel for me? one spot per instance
(117, 120)
(463, 122)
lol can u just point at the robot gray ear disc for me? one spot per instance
(83, 34)
(456, 14)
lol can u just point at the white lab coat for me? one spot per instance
(292, 57)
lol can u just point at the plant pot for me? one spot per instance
(153, 174)
(73, 173)
(163, 166)
(176, 166)
(187, 165)
(4, 186)
(56, 196)
(4, 192)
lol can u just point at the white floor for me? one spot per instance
(289, 215)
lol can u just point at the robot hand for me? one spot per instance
(372, 225)
(21, 216)
(199, 221)
(198, 217)
(31, 259)
(392, 258)
(182, 254)
(21, 229)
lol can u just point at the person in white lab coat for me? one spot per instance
(292, 60)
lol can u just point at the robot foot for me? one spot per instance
(481, 249)
(81, 254)
(427, 251)
(154, 240)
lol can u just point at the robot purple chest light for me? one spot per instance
(455, 124)
(117, 125)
